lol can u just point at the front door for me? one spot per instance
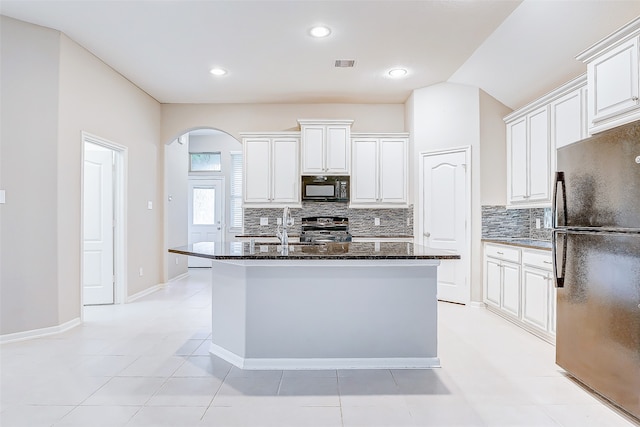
(205, 214)
(98, 256)
(445, 212)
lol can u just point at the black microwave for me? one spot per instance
(325, 188)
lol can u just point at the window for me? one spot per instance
(204, 206)
(205, 162)
(235, 200)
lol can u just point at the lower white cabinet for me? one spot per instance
(518, 285)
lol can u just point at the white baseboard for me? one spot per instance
(179, 277)
(321, 363)
(39, 333)
(146, 292)
(477, 304)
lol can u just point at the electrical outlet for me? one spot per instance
(538, 223)
(2, 197)
(279, 221)
(177, 261)
(141, 272)
(264, 221)
(149, 205)
(376, 221)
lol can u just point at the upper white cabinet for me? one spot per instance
(326, 148)
(528, 154)
(271, 172)
(379, 170)
(533, 134)
(613, 74)
(569, 115)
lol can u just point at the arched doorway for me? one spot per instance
(204, 198)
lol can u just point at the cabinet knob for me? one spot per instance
(634, 98)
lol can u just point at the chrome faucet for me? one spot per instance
(281, 233)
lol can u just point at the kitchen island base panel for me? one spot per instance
(279, 314)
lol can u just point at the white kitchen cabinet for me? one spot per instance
(613, 76)
(568, 115)
(502, 278)
(529, 160)
(518, 285)
(538, 291)
(326, 146)
(379, 170)
(533, 134)
(271, 172)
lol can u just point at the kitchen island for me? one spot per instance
(323, 306)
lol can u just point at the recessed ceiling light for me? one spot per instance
(320, 31)
(397, 72)
(218, 71)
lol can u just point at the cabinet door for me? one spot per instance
(257, 166)
(567, 122)
(313, 152)
(338, 150)
(539, 167)
(285, 173)
(393, 170)
(492, 280)
(535, 297)
(517, 161)
(364, 177)
(613, 82)
(511, 288)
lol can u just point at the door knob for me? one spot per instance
(427, 234)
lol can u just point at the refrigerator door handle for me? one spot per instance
(558, 270)
(559, 181)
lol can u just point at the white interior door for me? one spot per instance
(98, 256)
(445, 212)
(205, 215)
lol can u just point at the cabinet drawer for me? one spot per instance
(503, 252)
(538, 259)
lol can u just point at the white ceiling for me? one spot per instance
(514, 51)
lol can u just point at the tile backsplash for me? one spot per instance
(393, 222)
(499, 222)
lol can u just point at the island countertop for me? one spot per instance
(341, 251)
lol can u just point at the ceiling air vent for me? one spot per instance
(345, 63)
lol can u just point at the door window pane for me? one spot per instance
(204, 204)
(205, 162)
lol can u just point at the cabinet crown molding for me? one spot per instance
(630, 30)
(379, 135)
(276, 134)
(558, 92)
(324, 122)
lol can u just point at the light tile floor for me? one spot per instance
(147, 364)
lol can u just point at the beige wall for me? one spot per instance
(53, 89)
(493, 156)
(236, 118)
(29, 126)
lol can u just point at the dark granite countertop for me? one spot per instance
(525, 243)
(337, 251)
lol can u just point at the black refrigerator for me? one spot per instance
(596, 250)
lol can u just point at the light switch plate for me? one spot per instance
(1, 196)
(264, 221)
(376, 221)
(149, 205)
(538, 223)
